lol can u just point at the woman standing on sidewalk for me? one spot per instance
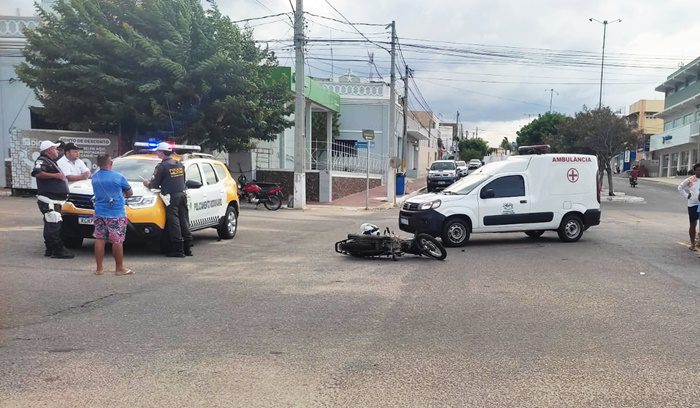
(690, 189)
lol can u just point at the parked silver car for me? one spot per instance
(462, 168)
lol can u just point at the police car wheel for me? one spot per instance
(455, 233)
(571, 228)
(229, 224)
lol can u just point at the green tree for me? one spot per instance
(142, 67)
(599, 132)
(505, 144)
(540, 130)
(474, 148)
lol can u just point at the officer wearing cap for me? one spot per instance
(71, 165)
(51, 190)
(169, 176)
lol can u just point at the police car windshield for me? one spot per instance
(135, 169)
(465, 185)
(443, 166)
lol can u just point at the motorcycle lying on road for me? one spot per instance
(370, 243)
(267, 194)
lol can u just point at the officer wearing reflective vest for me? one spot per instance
(52, 191)
(169, 176)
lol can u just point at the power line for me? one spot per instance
(355, 27)
(344, 22)
(260, 18)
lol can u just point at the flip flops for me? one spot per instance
(127, 272)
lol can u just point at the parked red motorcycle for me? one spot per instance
(267, 194)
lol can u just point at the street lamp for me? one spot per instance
(602, 59)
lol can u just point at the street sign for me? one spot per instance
(368, 134)
(363, 145)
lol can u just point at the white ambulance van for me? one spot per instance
(528, 193)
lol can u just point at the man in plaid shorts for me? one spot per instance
(110, 189)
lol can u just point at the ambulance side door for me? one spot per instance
(195, 195)
(504, 204)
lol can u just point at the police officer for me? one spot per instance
(51, 189)
(169, 176)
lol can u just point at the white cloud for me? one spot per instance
(496, 95)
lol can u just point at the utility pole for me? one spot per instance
(404, 148)
(602, 59)
(458, 131)
(299, 111)
(551, 95)
(391, 149)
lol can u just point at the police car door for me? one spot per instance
(504, 204)
(215, 194)
(194, 195)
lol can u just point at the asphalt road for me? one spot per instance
(275, 318)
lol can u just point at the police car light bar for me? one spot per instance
(535, 149)
(153, 145)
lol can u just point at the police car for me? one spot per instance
(212, 197)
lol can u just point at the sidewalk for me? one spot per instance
(377, 197)
(674, 181)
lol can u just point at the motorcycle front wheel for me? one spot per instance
(429, 246)
(273, 203)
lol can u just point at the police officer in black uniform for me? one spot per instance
(51, 186)
(169, 176)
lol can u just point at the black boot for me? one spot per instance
(176, 250)
(48, 251)
(187, 248)
(60, 252)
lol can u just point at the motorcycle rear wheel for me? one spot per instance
(429, 246)
(273, 203)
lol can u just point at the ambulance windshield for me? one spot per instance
(465, 185)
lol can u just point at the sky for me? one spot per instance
(495, 62)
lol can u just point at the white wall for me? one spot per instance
(15, 99)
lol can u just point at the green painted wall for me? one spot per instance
(682, 95)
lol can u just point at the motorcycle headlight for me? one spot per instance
(141, 201)
(430, 205)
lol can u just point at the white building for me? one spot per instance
(677, 146)
(15, 97)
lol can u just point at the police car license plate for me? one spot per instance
(85, 220)
(403, 220)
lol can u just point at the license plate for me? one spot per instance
(403, 220)
(85, 220)
(442, 182)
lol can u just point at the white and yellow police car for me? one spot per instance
(212, 197)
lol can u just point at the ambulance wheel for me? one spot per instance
(534, 234)
(455, 232)
(571, 228)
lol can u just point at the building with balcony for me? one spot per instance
(642, 118)
(677, 145)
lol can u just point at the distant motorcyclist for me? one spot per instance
(634, 173)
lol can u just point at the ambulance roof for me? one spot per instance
(520, 163)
